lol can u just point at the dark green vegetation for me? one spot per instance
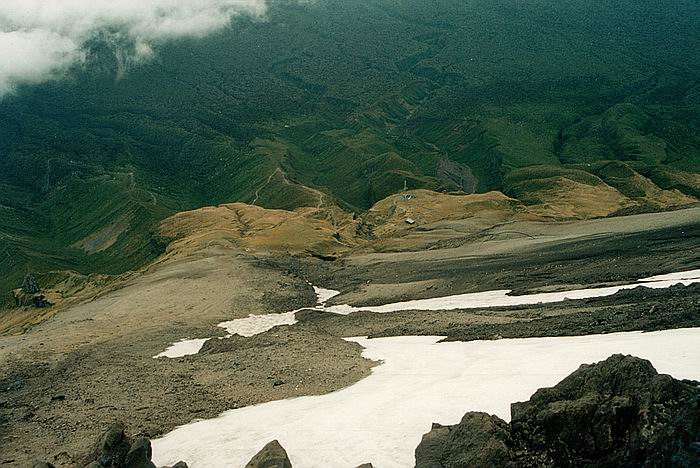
(352, 98)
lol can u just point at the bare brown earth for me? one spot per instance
(640, 309)
(525, 256)
(67, 378)
(67, 289)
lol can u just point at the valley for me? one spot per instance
(565, 111)
(335, 227)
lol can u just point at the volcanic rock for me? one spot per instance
(272, 455)
(112, 448)
(30, 285)
(618, 412)
(223, 345)
(29, 294)
(116, 450)
(23, 299)
(140, 454)
(478, 440)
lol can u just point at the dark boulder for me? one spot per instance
(112, 448)
(619, 412)
(272, 455)
(116, 450)
(23, 299)
(223, 345)
(29, 294)
(478, 440)
(140, 454)
(30, 285)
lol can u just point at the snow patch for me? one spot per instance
(502, 298)
(381, 419)
(324, 295)
(681, 276)
(256, 324)
(183, 348)
(249, 326)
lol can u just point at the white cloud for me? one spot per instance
(41, 39)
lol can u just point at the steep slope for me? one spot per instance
(305, 230)
(346, 103)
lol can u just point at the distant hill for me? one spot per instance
(342, 103)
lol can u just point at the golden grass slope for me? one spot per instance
(304, 230)
(407, 221)
(574, 194)
(411, 220)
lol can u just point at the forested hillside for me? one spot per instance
(346, 102)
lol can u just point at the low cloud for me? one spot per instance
(41, 39)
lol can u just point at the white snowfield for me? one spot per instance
(255, 324)
(183, 348)
(501, 298)
(324, 295)
(249, 326)
(381, 418)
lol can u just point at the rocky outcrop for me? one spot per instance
(116, 450)
(272, 455)
(619, 412)
(29, 295)
(30, 285)
(478, 440)
(223, 345)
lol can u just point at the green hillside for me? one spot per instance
(352, 99)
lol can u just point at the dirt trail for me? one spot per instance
(267, 182)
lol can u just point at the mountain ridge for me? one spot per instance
(329, 103)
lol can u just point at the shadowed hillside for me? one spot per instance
(576, 108)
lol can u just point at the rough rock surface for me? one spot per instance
(619, 412)
(23, 299)
(272, 455)
(29, 295)
(116, 450)
(478, 440)
(30, 285)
